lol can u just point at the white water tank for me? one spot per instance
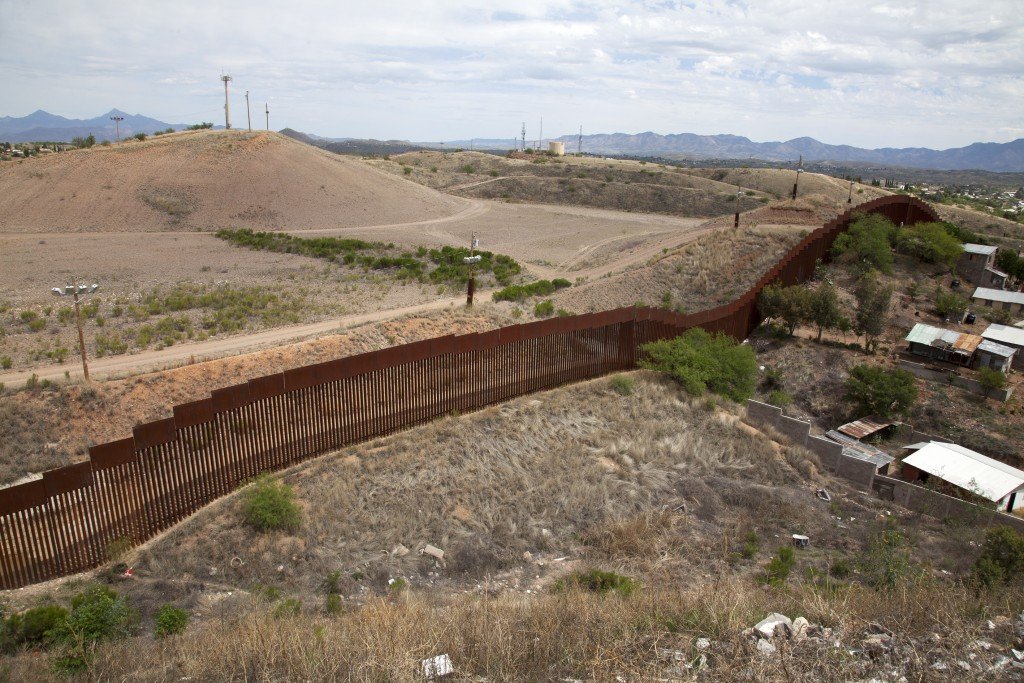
(556, 148)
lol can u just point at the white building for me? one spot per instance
(967, 470)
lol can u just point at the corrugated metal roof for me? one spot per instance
(997, 272)
(1000, 295)
(1004, 334)
(864, 427)
(947, 339)
(861, 451)
(996, 349)
(967, 469)
(979, 249)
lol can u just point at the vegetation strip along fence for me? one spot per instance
(133, 488)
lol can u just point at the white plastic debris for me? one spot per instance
(765, 648)
(823, 494)
(702, 643)
(436, 667)
(801, 541)
(399, 551)
(768, 625)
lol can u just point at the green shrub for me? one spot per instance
(622, 385)
(887, 562)
(878, 390)
(991, 379)
(96, 615)
(751, 545)
(139, 136)
(538, 288)
(598, 581)
(33, 627)
(1001, 559)
(289, 607)
(334, 604)
(929, 242)
(780, 398)
(779, 567)
(170, 620)
(840, 569)
(200, 126)
(6, 362)
(270, 506)
(702, 362)
(332, 584)
(950, 304)
(867, 243)
(544, 309)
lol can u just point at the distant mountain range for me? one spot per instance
(41, 126)
(987, 156)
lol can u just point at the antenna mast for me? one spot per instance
(227, 109)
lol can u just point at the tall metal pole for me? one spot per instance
(471, 260)
(849, 200)
(736, 219)
(248, 114)
(799, 170)
(268, 114)
(227, 106)
(117, 126)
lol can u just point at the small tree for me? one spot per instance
(791, 305)
(877, 390)
(867, 243)
(872, 312)
(930, 242)
(823, 308)
(950, 304)
(702, 362)
(1002, 557)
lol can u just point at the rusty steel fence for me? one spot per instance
(131, 489)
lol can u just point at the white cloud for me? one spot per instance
(940, 73)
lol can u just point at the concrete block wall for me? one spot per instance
(940, 506)
(970, 385)
(857, 472)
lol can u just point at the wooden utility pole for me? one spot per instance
(248, 114)
(81, 335)
(471, 261)
(268, 114)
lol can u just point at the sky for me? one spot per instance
(935, 74)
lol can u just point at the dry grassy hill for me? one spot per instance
(206, 180)
(621, 185)
(778, 183)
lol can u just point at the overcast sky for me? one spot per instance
(869, 73)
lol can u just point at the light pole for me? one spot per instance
(795, 184)
(117, 126)
(75, 290)
(471, 261)
(849, 200)
(227, 104)
(248, 114)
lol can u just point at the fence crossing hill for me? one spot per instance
(131, 489)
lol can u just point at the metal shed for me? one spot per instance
(967, 470)
(945, 345)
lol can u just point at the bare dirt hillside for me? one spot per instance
(206, 180)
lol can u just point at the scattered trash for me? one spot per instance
(702, 643)
(436, 667)
(801, 541)
(991, 625)
(399, 551)
(1000, 664)
(823, 494)
(237, 562)
(963, 665)
(1018, 655)
(800, 628)
(940, 666)
(560, 559)
(280, 568)
(433, 551)
(128, 573)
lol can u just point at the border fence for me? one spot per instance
(131, 489)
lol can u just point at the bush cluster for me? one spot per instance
(523, 292)
(883, 392)
(270, 506)
(704, 362)
(598, 581)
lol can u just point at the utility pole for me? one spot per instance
(471, 261)
(117, 126)
(540, 135)
(736, 218)
(849, 200)
(799, 170)
(75, 290)
(267, 106)
(227, 108)
(248, 114)
(524, 136)
(579, 143)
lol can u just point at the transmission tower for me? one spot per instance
(227, 108)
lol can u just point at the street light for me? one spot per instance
(75, 291)
(117, 126)
(471, 261)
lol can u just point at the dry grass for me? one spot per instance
(571, 635)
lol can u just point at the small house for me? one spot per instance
(943, 345)
(994, 356)
(1008, 336)
(967, 471)
(977, 265)
(999, 299)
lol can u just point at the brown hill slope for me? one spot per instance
(207, 180)
(778, 182)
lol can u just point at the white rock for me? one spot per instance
(765, 648)
(800, 626)
(433, 551)
(438, 666)
(767, 625)
(702, 643)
